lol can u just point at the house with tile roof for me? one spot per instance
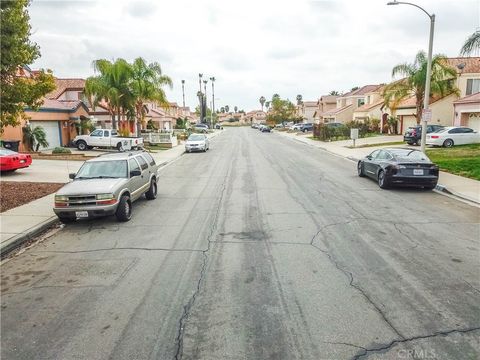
(306, 110)
(443, 109)
(347, 104)
(61, 115)
(467, 111)
(324, 103)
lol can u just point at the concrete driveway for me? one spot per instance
(55, 171)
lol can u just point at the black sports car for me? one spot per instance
(397, 166)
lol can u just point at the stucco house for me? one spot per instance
(443, 109)
(347, 104)
(467, 111)
(324, 104)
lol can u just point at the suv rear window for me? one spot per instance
(149, 158)
(143, 163)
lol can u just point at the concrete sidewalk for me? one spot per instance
(27, 221)
(461, 187)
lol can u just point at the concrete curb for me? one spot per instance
(28, 235)
(440, 189)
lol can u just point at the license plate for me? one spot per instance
(81, 214)
(22, 161)
(417, 171)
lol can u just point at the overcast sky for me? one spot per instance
(253, 48)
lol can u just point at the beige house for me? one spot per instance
(306, 110)
(255, 116)
(467, 111)
(443, 109)
(324, 104)
(347, 104)
(373, 107)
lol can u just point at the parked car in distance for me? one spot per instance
(453, 135)
(307, 127)
(107, 185)
(279, 126)
(398, 166)
(201, 128)
(197, 142)
(254, 126)
(413, 135)
(264, 128)
(106, 138)
(218, 127)
(11, 160)
(296, 127)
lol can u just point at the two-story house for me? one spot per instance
(347, 104)
(306, 110)
(324, 104)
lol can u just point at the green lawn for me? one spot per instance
(463, 160)
(377, 144)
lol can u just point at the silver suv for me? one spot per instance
(108, 185)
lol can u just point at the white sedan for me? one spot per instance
(197, 142)
(453, 135)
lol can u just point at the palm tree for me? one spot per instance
(262, 101)
(267, 105)
(111, 86)
(299, 99)
(146, 85)
(222, 110)
(334, 93)
(235, 108)
(413, 82)
(34, 138)
(275, 96)
(227, 108)
(472, 44)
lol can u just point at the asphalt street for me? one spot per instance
(261, 248)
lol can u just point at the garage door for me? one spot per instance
(474, 122)
(408, 121)
(52, 132)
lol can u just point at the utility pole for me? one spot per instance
(212, 79)
(183, 92)
(205, 97)
(200, 96)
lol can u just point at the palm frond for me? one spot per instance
(471, 45)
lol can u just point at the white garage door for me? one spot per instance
(52, 132)
(409, 121)
(474, 122)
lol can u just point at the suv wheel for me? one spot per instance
(151, 194)
(81, 145)
(124, 209)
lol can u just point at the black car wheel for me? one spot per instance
(409, 143)
(124, 209)
(81, 145)
(119, 146)
(360, 169)
(151, 194)
(448, 143)
(382, 181)
(418, 142)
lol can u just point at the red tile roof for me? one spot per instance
(65, 84)
(467, 64)
(474, 98)
(362, 91)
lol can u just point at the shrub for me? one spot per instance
(123, 132)
(61, 150)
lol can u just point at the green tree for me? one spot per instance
(17, 51)
(227, 108)
(146, 85)
(111, 87)
(281, 110)
(334, 93)
(34, 138)
(235, 108)
(472, 44)
(414, 75)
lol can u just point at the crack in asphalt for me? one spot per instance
(368, 351)
(350, 277)
(191, 302)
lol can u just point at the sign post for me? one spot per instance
(353, 135)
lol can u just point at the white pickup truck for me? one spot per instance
(106, 138)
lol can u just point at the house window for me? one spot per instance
(360, 102)
(473, 86)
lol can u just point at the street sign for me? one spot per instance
(426, 115)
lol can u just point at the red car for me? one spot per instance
(11, 160)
